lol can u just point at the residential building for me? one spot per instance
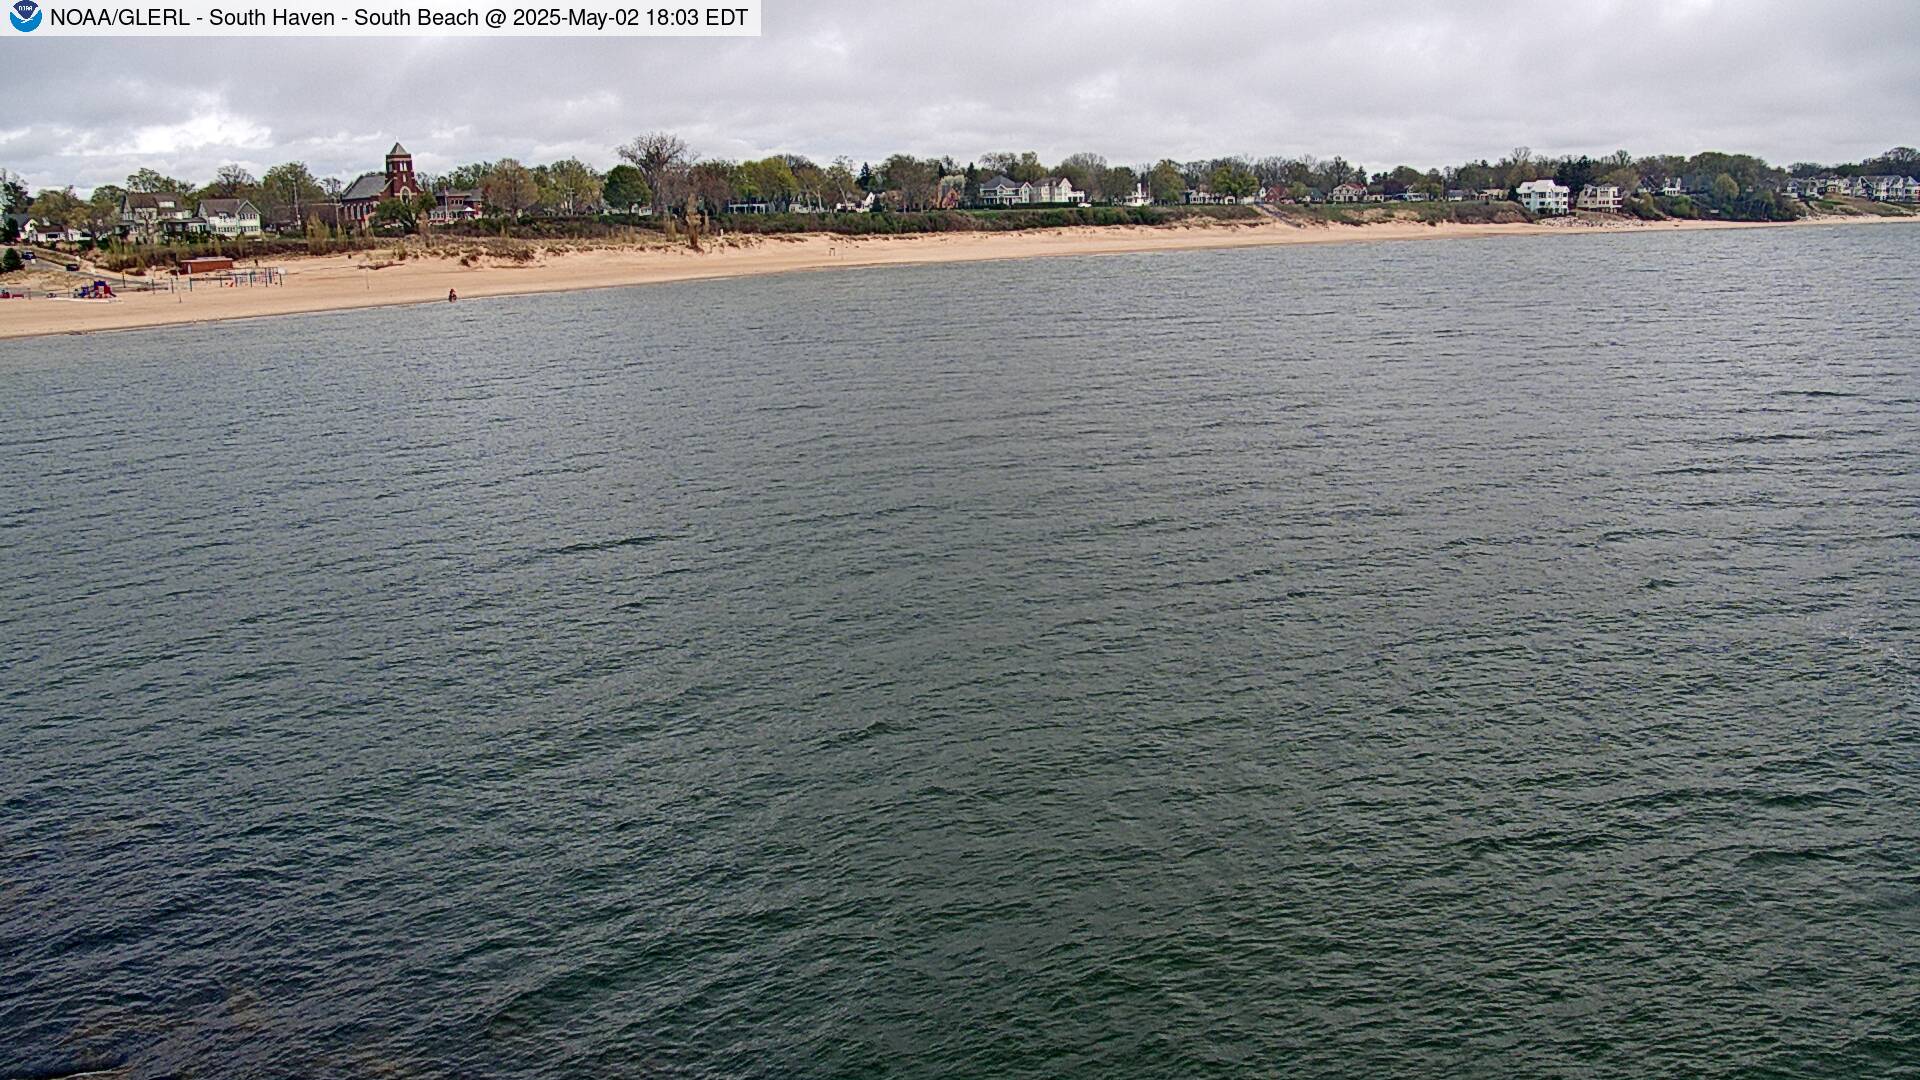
(1544, 196)
(1884, 188)
(1001, 191)
(146, 215)
(371, 189)
(455, 205)
(1056, 190)
(1600, 197)
(230, 217)
(1138, 198)
(1349, 193)
(1414, 196)
(1494, 194)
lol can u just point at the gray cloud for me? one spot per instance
(1382, 84)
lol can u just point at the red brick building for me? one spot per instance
(360, 198)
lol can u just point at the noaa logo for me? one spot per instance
(25, 15)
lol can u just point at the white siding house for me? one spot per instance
(1600, 197)
(1349, 193)
(1544, 197)
(230, 217)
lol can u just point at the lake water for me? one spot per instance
(1486, 658)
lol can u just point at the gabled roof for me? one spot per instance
(368, 186)
(226, 207)
(998, 182)
(150, 200)
(398, 151)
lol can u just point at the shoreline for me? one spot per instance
(321, 284)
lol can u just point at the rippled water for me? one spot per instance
(1471, 658)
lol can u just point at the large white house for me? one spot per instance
(1349, 193)
(1600, 197)
(1052, 190)
(1885, 188)
(146, 214)
(1544, 196)
(230, 217)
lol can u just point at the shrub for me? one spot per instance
(10, 262)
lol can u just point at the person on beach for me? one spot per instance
(452, 296)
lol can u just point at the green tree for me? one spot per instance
(768, 180)
(1725, 189)
(60, 207)
(1233, 180)
(103, 209)
(1087, 172)
(1166, 183)
(396, 215)
(1575, 174)
(286, 191)
(571, 186)
(11, 263)
(625, 189)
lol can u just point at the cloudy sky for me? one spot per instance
(1380, 83)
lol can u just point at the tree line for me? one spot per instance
(660, 170)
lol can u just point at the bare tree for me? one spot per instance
(662, 157)
(510, 187)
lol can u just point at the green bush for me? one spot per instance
(1643, 207)
(10, 262)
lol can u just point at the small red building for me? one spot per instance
(205, 264)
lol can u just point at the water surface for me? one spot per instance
(1466, 658)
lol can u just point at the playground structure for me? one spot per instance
(99, 290)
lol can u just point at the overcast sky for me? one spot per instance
(1382, 84)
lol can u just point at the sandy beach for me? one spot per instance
(374, 279)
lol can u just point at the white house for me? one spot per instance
(856, 206)
(149, 213)
(1544, 196)
(36, 231)
(1000, 191)
(230, 217)
(1600, 197)
(1884, 188)
(1349, 193)
(1138, 198)
(1056, 189)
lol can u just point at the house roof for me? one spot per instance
(998, 182)
(398, 151)
(150, 200)
(225, 207)
(368, 186)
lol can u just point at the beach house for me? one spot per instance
(1056, 190)
(1884, 188)
(1600, 197)
(229, 217)
(146, 215)
(369, 190)
(1544, 196)
(455, 205)
(1001, 191)
(1349, 193)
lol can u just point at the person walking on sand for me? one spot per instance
(452, 296)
